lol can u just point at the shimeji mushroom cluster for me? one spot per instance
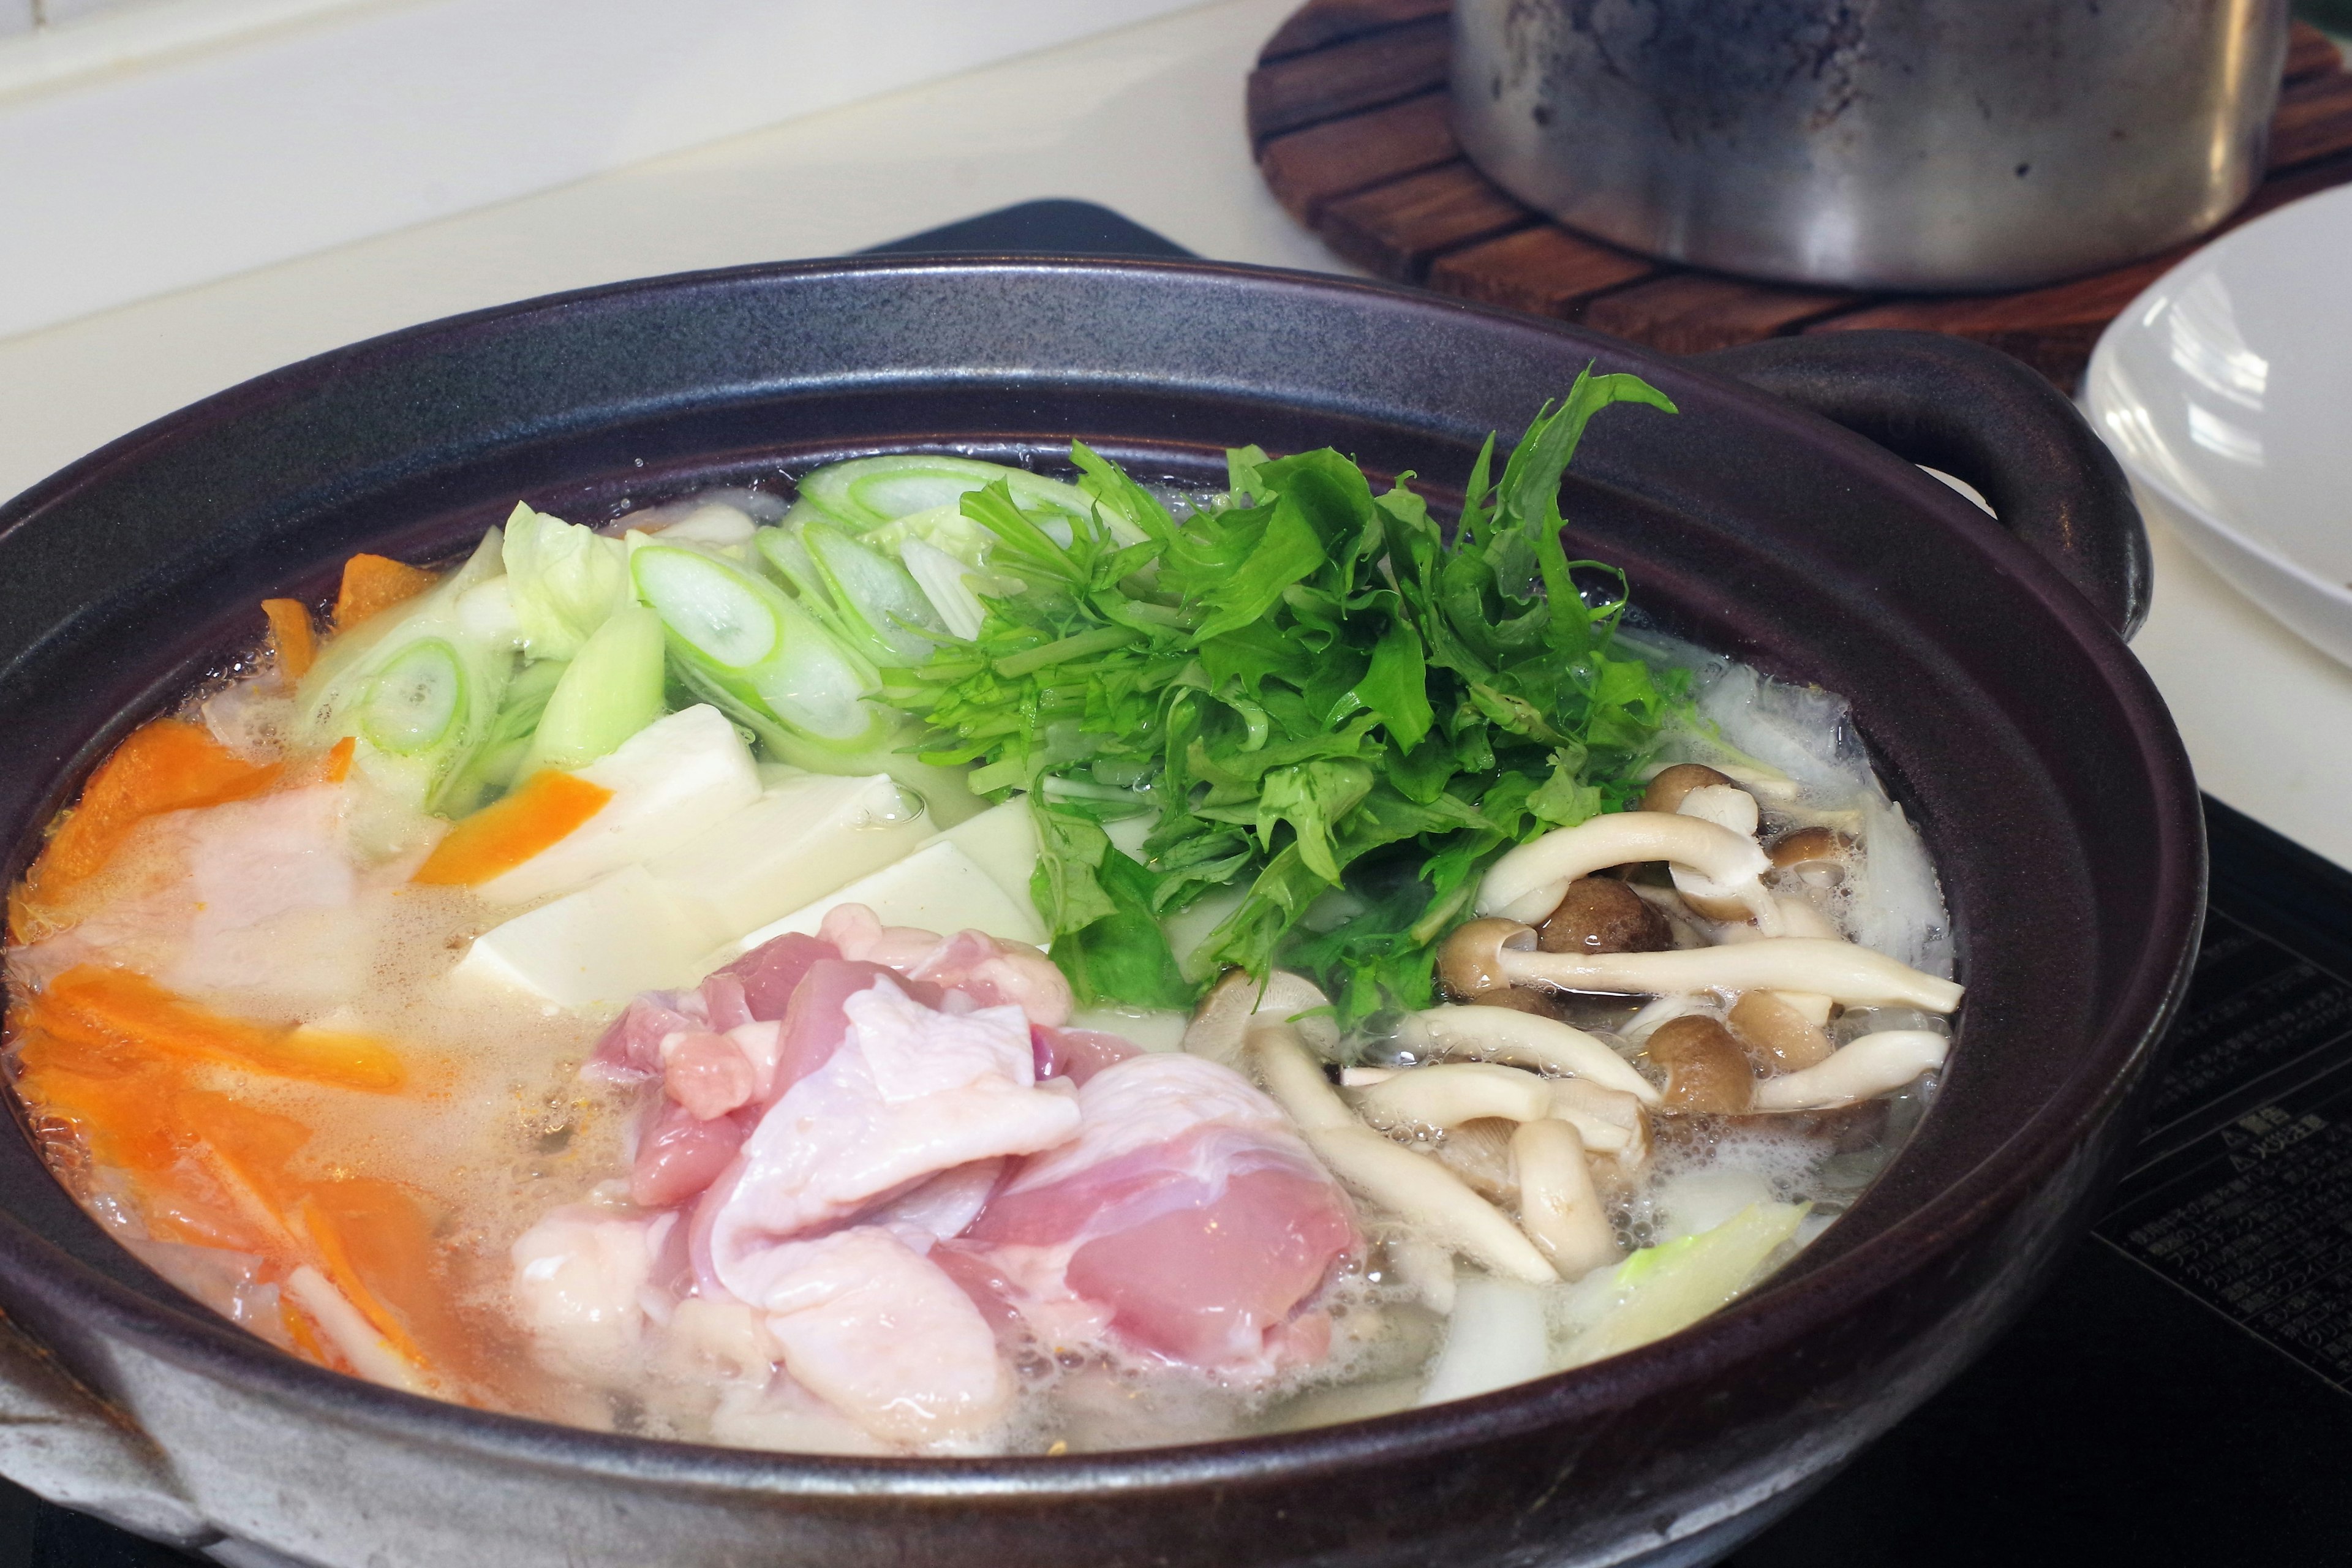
(1744, 974)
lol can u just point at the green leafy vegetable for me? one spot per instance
(863, 598)
(562, 579)
(1309, 685)
(611, 690)
(1663, 1289)
(505, 750)
(1098, 905)
(868, 492)
(418, 688)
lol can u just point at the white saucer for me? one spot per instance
(2226, 391)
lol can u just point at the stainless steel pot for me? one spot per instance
(1923, 145)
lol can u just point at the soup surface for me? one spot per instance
(955, 960)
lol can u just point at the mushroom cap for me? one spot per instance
(1470, 964)
(1523, 999)
(1706, 1068)
(1726, 805)
(1667, 790)
(1783, 1039)
(1601, 914)
(1221, 1025)
(1819, 855)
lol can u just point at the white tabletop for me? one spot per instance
(1146, 120)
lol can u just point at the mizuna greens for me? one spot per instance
(1310, 689)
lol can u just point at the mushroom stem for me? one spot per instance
(1730, 807)
(1414, 1187)
(1425, 1266)
(1861, 1068)
(1296, 1079)
(1557, 1206)
(1421, 1191)
(1850, 974)
(1524, 1039)
(1609, 1121)
(1811, 1005)
(1529, 882)
(1451, 1093)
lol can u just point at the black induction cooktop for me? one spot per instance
(2182, 1393)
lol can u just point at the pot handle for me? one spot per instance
(1978, 415)
(62, 1441)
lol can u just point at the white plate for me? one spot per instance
(2226, 390)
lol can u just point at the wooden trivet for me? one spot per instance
(1347, 112)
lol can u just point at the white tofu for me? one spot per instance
(1127, 835)
(599, 946)
(938, 888)
(1002, 842)
(1188, 928)
(672, 781)
(803, 838)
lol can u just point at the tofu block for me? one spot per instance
(939, 888)
(673, 780)
(1002, 842)
(803, 838)
(599, 946)
(1127, 835)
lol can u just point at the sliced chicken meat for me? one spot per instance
(1186, 1218)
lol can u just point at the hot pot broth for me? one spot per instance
(602, 980)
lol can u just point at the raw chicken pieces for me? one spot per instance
(870, 1324)
(874, 1163)
(913, 1092)
(1186, 1218)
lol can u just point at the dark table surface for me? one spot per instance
(2179, 1394)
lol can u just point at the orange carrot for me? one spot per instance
(115, 1116)
(505, 834)
(121, 1005)
(338, 760)
(168, 764)
(64, 1039)
(375, 582)
(292, 636)
(311, 1217)
(340, 1055)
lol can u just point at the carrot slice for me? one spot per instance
(340, 1055)
(168, 764)
(261, 1142)
(114, 1115)
(505, 834)
(291, 635)
(325, 1216)
(133, 1009)
(338, 760)
(372, 584)
(56, 1037)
